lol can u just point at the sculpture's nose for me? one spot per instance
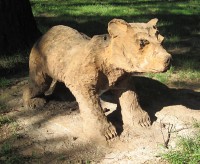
(168, 60)
(167, 63)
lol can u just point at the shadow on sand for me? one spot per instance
(153, 96)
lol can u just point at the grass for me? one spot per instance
(163, 78)
(112, 8)
(10, 155)
(178, 20)
(183, 70)
(188, 150)
(5, 120)
(3, 107)
(77, 13)
(9, 151)
(11, 64)
(4, 82)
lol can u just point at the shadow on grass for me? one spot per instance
(153, 95)
(13, 64)
(176, 25)
(170, 25)
(181, 26)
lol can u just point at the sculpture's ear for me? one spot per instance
(153, 22)
(117, 27)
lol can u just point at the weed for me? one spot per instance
(3, 107)
(9, 155)
(196, 124)
(5, 120)
(6, 149)
(14, 128)
(4, 82)
(62, 158)
(188, 150)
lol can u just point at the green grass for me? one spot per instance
(172, 15)
(4, 82)
(3, 107)
(196, 124)
(177, 20)
(162, 77)
(185, 70)
(112, 8)
(10, 155)
(9, 152)
(188, 150)
(5, 120)
(13, 63)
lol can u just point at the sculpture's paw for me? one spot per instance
(110, 132)
(35, 103)
(142, 118)
(100, 130)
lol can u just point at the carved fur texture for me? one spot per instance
(91, 66)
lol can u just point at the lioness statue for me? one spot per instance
(91, 66)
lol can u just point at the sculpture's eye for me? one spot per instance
(143, 43)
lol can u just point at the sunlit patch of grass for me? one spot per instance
(188, 69)
(162, 77)
(109, 8)
(189, 75)
(185, 70)
(187, 151)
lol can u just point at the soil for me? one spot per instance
(54, 133)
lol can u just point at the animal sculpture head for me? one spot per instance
(137, 47)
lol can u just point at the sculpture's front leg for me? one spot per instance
(132, 113)
(95, 122)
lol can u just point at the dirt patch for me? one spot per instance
(54, 134)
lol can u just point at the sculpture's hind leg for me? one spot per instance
(39, 82)
(33, 95)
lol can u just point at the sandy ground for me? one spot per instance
(54, 133)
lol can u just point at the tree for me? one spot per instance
(18, 28)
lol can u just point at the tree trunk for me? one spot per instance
(18, 29)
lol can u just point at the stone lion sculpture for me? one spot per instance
(91, 66)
